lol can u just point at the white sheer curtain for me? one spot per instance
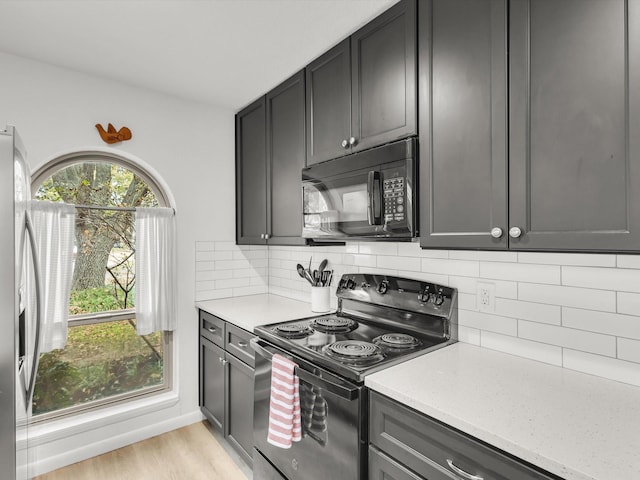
(155, 270)
(54, 234)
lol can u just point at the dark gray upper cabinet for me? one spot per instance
(463, 115)
(270, 156)
(286, 159)
(383, 73)
(575, 116)
(251, 174)
(329, 104)
(362, 92)
(562, 166)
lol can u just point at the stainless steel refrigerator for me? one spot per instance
(19, 310)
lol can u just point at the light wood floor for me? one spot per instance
(192, 453)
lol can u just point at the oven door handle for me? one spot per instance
(342, 391)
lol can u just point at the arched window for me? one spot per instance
(104, 360)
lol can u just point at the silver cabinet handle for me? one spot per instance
(211, 329)
(345, 143)
(262, 236)
(352, 141)
(461, 472)
(496, 232)
(267, 236)
(222, 360)
(515, 232)
(243, 344)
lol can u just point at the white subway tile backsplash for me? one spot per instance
(461, 268)
(629, 303)
(581, 311)
(629, 350)
(536, 312)
(205, 246)
(213, 255)
(584, 259)
(378, 248)
(425, 277)
(547, 274)
(488, 322)
(601, 322)
(568, 296)
(522, 348)
(469, 335)
(621, 279)
(620, 370)
(566, 337)
(629, 261)
(410, 264)
(483, 256)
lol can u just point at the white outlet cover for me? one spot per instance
(486, 297)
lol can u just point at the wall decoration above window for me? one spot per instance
(110, 135)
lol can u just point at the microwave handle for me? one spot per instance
(373, 180)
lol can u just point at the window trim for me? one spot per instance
(164, 198)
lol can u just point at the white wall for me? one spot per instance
(191, 146)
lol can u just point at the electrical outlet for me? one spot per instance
(486, 297)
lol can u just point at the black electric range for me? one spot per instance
(381, 321)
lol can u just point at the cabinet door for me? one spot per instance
(286, 153)
(239, 427)
(329, 104)
(383, 59)
(212, 392)
(251, 174)
(463, 123)
(575, 114)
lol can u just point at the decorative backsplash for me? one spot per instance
(579, 311)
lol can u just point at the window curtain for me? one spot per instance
(54, 234)
(155, 270)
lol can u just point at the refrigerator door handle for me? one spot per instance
(29, 387)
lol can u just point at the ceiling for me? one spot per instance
(221, 52)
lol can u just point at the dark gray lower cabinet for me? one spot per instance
(226, 381)
(212, 382)
(407, 445)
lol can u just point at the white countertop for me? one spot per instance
(578, 426)
(253, 310)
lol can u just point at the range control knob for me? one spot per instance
(383, 287)
(351, 284)
(439, 300)
(424, 295)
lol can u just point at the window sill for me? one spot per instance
(92, 420)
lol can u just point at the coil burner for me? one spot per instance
(334, 324)
(397, 341)
(293, 330)
(354, 352)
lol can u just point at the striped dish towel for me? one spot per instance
(284, 405)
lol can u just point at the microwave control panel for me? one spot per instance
(394, 199)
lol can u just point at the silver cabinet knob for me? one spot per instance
(515, 232)
(352, 141)
(267, 236)
(496, 232)
(212, 329)
(345, 143)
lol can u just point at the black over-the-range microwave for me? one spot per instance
(368, 195)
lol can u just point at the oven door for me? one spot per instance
(333, 441)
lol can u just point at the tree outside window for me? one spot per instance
(104, 358)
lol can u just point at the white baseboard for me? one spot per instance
(109, 444)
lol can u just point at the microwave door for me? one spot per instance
(338, 207)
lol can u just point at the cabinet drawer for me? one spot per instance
(237, 343)
(212, 328)
(428, 447)
(382, 467)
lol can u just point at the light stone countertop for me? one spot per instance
(252, 310)
(577, 426)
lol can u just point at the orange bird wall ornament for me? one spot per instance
(110, 135)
